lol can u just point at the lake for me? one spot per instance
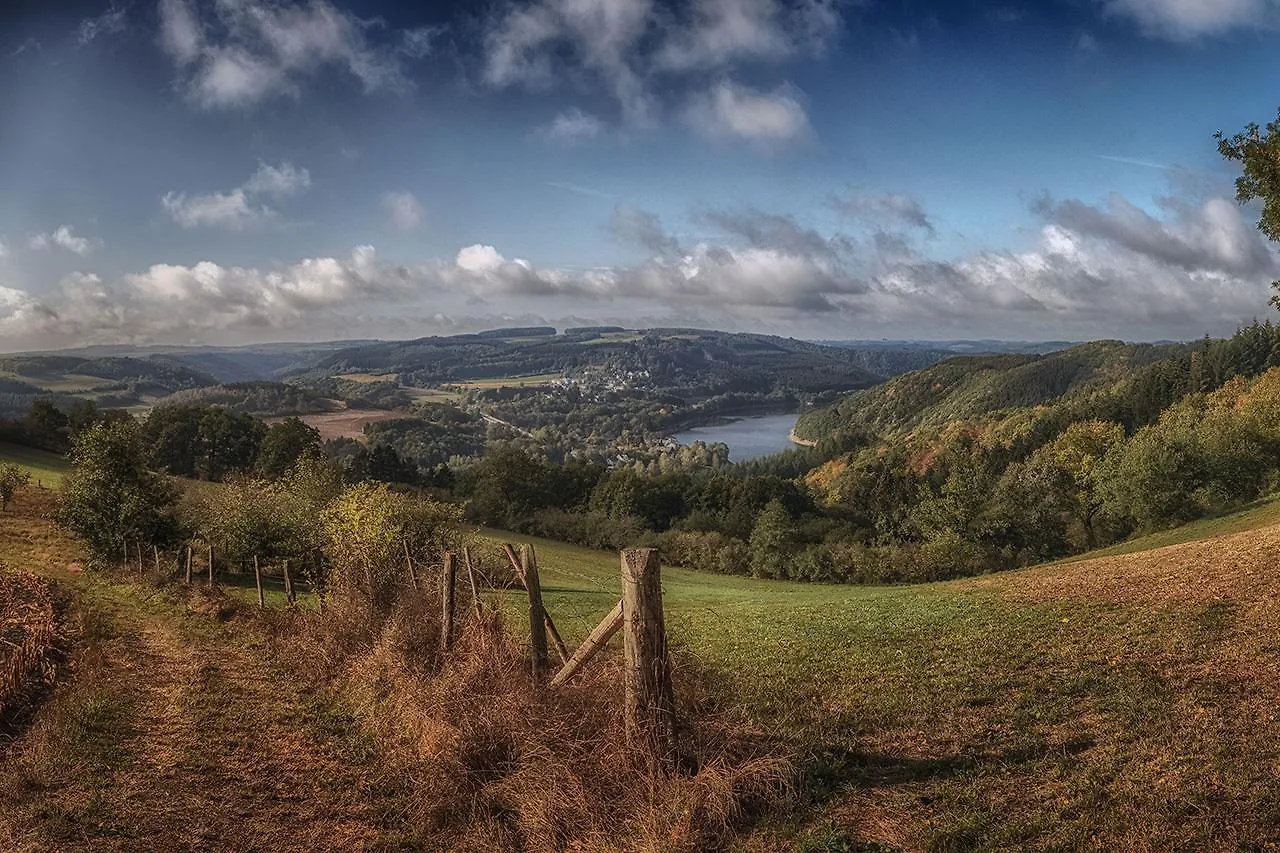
(747, 438)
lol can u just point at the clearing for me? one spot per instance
(347, 423)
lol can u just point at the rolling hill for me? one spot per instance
(971, 386)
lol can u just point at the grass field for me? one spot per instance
(47, 468)
(1117, 702)
(1126, 700)
(347, 423)
(508, 382)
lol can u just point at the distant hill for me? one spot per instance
(722, 362)
(969, 386)
(111, 381)
(262, 399)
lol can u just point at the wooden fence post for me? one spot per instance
(155, 552)
(288, 585)
(408, 558)
(257, 577)
(537, 613)
(448, 577)
(138, 544)
(592, 644)
(649, 701)
(189, 556)
(210, 565)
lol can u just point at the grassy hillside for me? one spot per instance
(46, 467)
(1118, 702)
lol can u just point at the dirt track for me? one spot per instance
(171, 734)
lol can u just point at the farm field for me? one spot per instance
(48, 468)
(507, 382)
(347, 423)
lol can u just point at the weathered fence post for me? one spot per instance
(592, 644)
(210, 565)
(138, 544)
(189, 556)
(408, 558)
(257, 578)
(288, 585)
(537, 613)
(649, 701)
(471, 580)
(448, 576)
(155, 552)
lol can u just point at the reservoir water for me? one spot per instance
(747, 438)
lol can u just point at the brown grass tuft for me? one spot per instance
(495, 762)
(30, 636)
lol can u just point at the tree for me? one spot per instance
(1258, 154)
(283, 445)
(110, 497)
(11, 478)
(46, 426)
(772, 542)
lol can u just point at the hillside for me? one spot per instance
(970, 386)
(1114, 702)
(1117, 702)
(714, 362)
(109, 381)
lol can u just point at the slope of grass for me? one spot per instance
(48, 468)
(1111, 703)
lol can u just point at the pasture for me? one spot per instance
(1123, 701)
(44, 467)
(346, 423)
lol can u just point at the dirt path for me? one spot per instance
(173, 733)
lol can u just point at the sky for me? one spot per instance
(239, 171)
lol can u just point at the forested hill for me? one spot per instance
(671, 357)
(972, 386)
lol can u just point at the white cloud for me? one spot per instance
(637, 50)
(1184, 20)
(278, 181)
(232, 210)
(180, 32)
(571, 128)
(720, 32)
(64, 238)
(239, 209)
(403, 209)
(1110, 269)
(729, 110)
(253, 50)
(109, 23)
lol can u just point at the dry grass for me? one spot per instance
(495, 762)
(347, 423)
(30, 636)
(1236, 566)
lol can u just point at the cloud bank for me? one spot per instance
(1192, 265)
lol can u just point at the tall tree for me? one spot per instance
(1257, 150)
(110, 497)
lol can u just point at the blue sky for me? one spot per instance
(248, 170)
